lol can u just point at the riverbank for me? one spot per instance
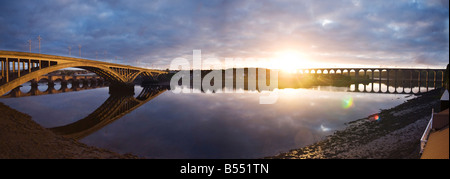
(21, 137)
(392, 134)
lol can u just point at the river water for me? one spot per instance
(208, 125)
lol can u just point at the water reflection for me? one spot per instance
(116, 106)
(157, 124)
(221, 125)
(384, 88)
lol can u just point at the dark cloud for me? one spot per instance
(364, 32)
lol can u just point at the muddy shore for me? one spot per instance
(22, 138)
(395, 135)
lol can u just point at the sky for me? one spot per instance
(287, 33)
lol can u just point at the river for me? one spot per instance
(207, 125)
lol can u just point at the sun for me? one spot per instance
(290, 61)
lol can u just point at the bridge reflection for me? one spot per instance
(375, 86)
(391, 89)
(116, 106)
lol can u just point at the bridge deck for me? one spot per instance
(26, 55)
(20, 67)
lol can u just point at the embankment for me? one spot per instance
(396, 134)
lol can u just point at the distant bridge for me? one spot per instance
(51, 79)
(19, 67)
(388, 73)
(77, 84)
(394, 77)
(403, 88)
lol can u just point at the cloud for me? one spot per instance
(429, 58)
(155, 32)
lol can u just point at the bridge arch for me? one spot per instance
(19, 67)
(25, 89)
(70, 83)
(104, 72)
(42, 80)
(58, 84)
(60, 80)
(351, 70)
(82, 83)
(43, 88)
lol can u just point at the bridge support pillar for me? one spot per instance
(7, 70)
(420, 80)
(427, 79)
(29, 65)
(395, 80)
(434, 79)
(51, 88)
(372, 74)
(75, 85)
(371, 88)
(34, 87)
(387, 82)
(63, 86)
(18, 67)
(34, 83)
(2, 64)
(51, 84)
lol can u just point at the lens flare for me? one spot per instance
(376, 117)
(347, 102)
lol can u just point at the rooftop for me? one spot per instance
(437, 144)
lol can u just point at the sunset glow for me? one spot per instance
(298, 34)
(199, 80)
(290, 61)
